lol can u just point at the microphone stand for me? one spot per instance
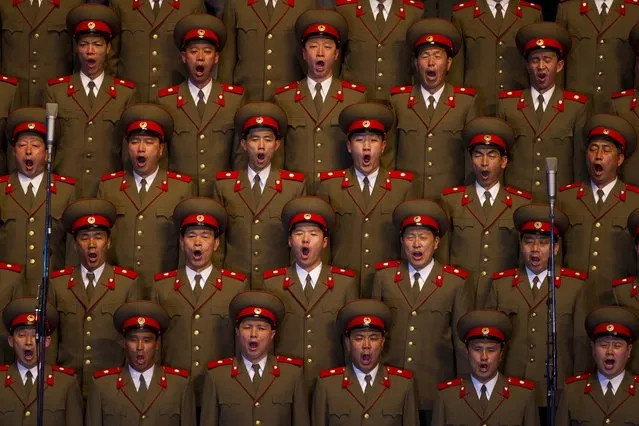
(551, 346)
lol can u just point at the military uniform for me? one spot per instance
(11, 286)
(8, 101)
(624, 104)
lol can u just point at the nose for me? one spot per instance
(139, 346)
(30, 340)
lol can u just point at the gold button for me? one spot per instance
(89, 318)
(31, 233)
(31, 247)
(532, 346)
(366, 235)
(203, 180)
(366, 219)
(538, 154)
(319, 161)
(500, 71)
(257, 404)
(379, 59)
(269, 51)
(269, 36)
(319, 129)
(379, 45)
(269, 67)
(31, 219)
(154, 53)
(141, 217)
(411, 328)
(594, 253)
(257, 237)
(501, 43)
(138, 247)
(256, 221)
(410, 343)
(269, 82)
(309, 316)
(379, 88)
(87, 171)
(409, 359)
(483, 273)
(36, 35)
(366, 251)
(537, 168)
(202, 136)
(485, 259)
(366, 266)
(310, 360)
(139, 232)
(601, 56)
(309, 331)
(594, 267)
(35, 67)
(430, 164)
(138, 263)
(534, 314)
(201, 151)
(27, 413)
(154, 85)
(596, 239)
(88, 348)
(532, 330)
(430, 148)
(90, 139)
(537, 183)
(309, 346)
(256, 268)
(414, 313)
(87, 362)
(202, 166)
(607, 421)
(196, 332)
(88, 333)
(485, 246)
(197, 316)
(597, 225)
(486, 232)
(600, 73)
(380, 74)
(196, 363)
(143, 416)
(257, 422)
(196, 348)
(532, 359)
(155, 36)
(154, 69)
(366, 416)
(319, 145)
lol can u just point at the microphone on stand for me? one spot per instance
(52, 115)
(551, 344)
(551, 174)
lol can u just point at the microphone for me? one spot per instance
(551, 174)
(52, 115)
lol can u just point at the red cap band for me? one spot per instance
(485, 332)
(538, 43)
(261, 121)
(141, 322)
(612, 329)
(94, 220)
(24, 319)
(93, 26)
(613, 134)
(30, 126)
(321, 29)
(256, 311)
(200, 219)
(308, 217)
(419, 221)
(537, 226)
(487, 139)
(145, 125)
(434, 38)
(366, 125)
(365, 321)
(200, 34)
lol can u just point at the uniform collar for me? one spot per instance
(135, 376)
(36, 181)
(493, 192)
(97, 274)
(490, 385)
(301, 274)
(190, 274)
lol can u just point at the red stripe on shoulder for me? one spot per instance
(4, 367)
(289, 86)
(465, 90)
(449, 384)
(522, 383)
(565, 272)
(164, 275)
(62, 272)
(286, 175)
(219, 363)
(417, 4)
(635, 2)
(231, 174)
(388, 264)
(623, 281)
(58, 80)
(574, 96)
(632, 188)
(345, 2)
(342, 271)
(571, 186)
(178, 176)
(175, 371)
(129, 273)
(65, 370)
(507, 273)
(623, 93)
(288, 360)
(5, 178)
(353, 86)
(231, 88)
(11, 267)
(114, 175)
(454, 190)
(455, 271)
(528, 4)
(397, 90)
(332, 174)
(505, 94)
(274, 273)
(464, 5)
(64, 179)
(168, 91)
(231, 274)
(578, 378)
(332, 372)
(123, 82)
(519, 192)
(398, 174)
(107, 372)
(11, 80)
(399, 372)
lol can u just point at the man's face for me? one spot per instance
(199, 243)
(488, 164)
(611, 355)
(307, 241)
(92, 246)
(31, 155)
(145, 152)
(365, 347)
(320, 54)
(141, 347)
(255, 337)
(543, 66)
(200, 58)
(603, 160)
(484, 357)
(535, 249)
(260, 144)
(366, 148)
(419, 245)
(432, 65)
(92, 54)
(23, 342)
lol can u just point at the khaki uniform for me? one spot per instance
(22, 228)
(624, 104)
(512, 402)
(144, 236)
(526, 349)
(601, 60)
(201, 148)
(256, 240)
(87, 340)
(481, 244)
(488, 46)
(363, 232)
(113, 399)
(626, 293)
(340, 401)
(11, 286)
(62, 398)
(423, 336)
(36, 48)
(432, 149)
(308, 330)
(8, 101)
(230, 398)
(145, 48)
(314, 142)
(261, 53)
(559, 134)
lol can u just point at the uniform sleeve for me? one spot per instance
(581, 343)
(463, 303)
(239, 157)
(388, 156)
(410, 417)
(439, 412)
(531, 415)
(300, 402)
(319, 411)
(563, 416)
(94, 405)
(580, 171)
(74, 410)
(376, 292)
(187, 406)
(228, 57)
(209, 414)
(442, 254)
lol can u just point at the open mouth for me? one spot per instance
(28, 355)
(484, 174)
(541, 76)
(252, 346)
(91, 62)
(140, 359)
(431, 74)
(305, 251)
(483, 367)
(197, 255)
(28, 164)
(366, 159)
(261, 156)
(199, 68)
(598, 170)
(320, 66)
(366, 358)
(417, 255)
(140, 160)
(92, 257)
(535, 259)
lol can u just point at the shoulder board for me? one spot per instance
(622, 281)
(64, 179)
(455, 271)
(415, 3)
(274, 273)
(237, 275)
(129, 273)
(5, 178)
(353, 86)
(168, 91)
(332, 174)
(230, 88)
(578, 378)
(11, 80)
(523, 383)
(398, 174)
(388, 264)
(507, 273)
(397, 90)
(565, 272)
(175, 371)
(332, 372)
(10, 267)
(342, 271)
(528, 4)
(288, 360)
(4, 367)
(65, 370)
(178, 176)
(231, 174)
(574, 96)
(635, 2)
(629, 92)
(571, 186)
(464, 5)
(108, 372)
(289, 86)
(399, 372)
(125, 83)
(449, 384)
(636, 379)
(454, 190)
(505, 94)
(58, 80)
(345, 2)
(465, 90)
(286, 175)
(163, 275)
(632, 188)
(220, 362)
(519, 192)
(62, 272)
(114, 175)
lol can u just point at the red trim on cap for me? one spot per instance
(27, 318)
(30, 126)
(605, 131)
(434, 38)
(541, 42)
(613, 329)
(320, 28)
(261, 121)
(195, 219)
(537, 226)
(145, 125)
(200, 33)
(485, 332)
(486, 138)
(308, 217)
(141, 321)
(420, 221)
(93, 26)
(366, 125)
(256, 311)
(93, 220)
(365, 320)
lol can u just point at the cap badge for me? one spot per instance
(429, 38)
(200, 218)
(31, 126)
(259, 120)
(91, 220)
(141, 320)
(485, 331)
(143, 124)
(91, 25)
(307, 216)
(606, 131)
(417, 219)
(257, 311)
(367, 321)
(321, 27)
(487, 138)
(540, 42)
(366, 123)
(610, 327)
(31, 318)
(537, 225)
(201, 32)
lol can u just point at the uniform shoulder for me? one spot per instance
(5, 178)
(64, 179)
(163, 275)
(114, 175)
(62, 272)
(289, 86)
(66, 370)
(387, 264)
(58, 80)
(465, 90)
(4, 367)
(274, 273)
(294, 176)
(9, 80)
(407, 374)
(232, 274)
(578, 378)
(464, 5)
(623, 93)
(632, 188)
(635, 2)
(345, 2)
(576, 97)
(571, 186)
(123, 82)
(398, 90)
(219, 363)
(107, 372)
(414, 3)
(332, 372)
(232, 88)
(454, 190)
(623, 281)
(523, 383)
(353, 86)
(507, 273)
(332, 174)
(529, 5)
(518, 192)
(179, 176)
(289, 360)
(129, 273)
(450, 269)
(11, 267)
(571, 273)
(449, 384)
(342, 271)
(505, 94)
(229, 174)
(175, 371)
(167, 91)
(399, 174)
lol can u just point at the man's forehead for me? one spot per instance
(365, 333)
(601, 142)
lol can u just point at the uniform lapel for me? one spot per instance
(379, 190)
(131, 190)
(17, 386)
(551, 110)
(136, 398)
(588, 198)
(189, 105)
(391, 21)
(103, 96)
(186, 290)
(419, 105)
(281, 8)
(355, 190)
(155, 388)
(80, 94)
(320, 286)
(597, 395)
(368, 18)
(612, 15)
(613, 197)
(474, 206)
(488, 18)
(498, 205)
(429, 284)
(529, 110)
(472, 399)
(165, 10)
(442, 106)
(267, 377)
(355, 389)
(593, 15)
(496, 396)
(525, 287)
(79, 290)
(622, 391)
(212, 105)
(155, 189)
(43, 11)
(295, 287)
(207, 291)
(330, 102)
(405, 284)
(244, 379)
(269, 191)
(307, 99)
(246, 191)
(102, 286)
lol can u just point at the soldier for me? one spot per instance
(547, 120)
(11, 285)
(9, 99)
(418, 290)
(141, 390)
(432, 114)
(197, 296)
(202, 109)
(254, 197)
(597, 240)
(487, 397)
(145, 52)
(87, 295)
(312, 291)
(521, 293)
(314, 141)
(143, 234)
(90, 102)
(364, 195)
(255, 387)
(601, 60)
(262, 52)
(23, 196)
(609, 396)
(483, 238)
(366, 389)
(19, 395)
(488, 28)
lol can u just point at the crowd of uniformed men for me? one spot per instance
(336, 216)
